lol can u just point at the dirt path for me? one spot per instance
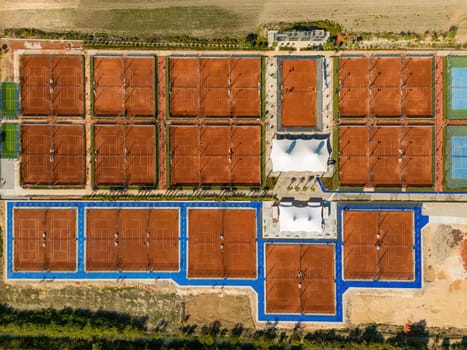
(162, 127)
(439, 124)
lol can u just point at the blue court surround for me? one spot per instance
(419, 221)
(459, 88)
(459, 157)
(181, 277)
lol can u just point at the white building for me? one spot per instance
(307, 219)
(297, 38)
(303, 155)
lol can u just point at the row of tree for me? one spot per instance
(83, 329)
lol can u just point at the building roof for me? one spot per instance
(300, 219)
(310, 155)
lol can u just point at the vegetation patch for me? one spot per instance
(70, 322)
(9, 141)
(9, 100)
(81, 329)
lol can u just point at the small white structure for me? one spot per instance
(284, 220)
(301, 219)
(297, 38)
(308, 155)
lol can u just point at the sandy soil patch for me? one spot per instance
(441, 302)
(203, 309)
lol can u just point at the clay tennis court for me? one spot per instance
(222, 87)
(417, 78)
(132, 240)
(222, 243)
(353, 155)
(378, 245)
(52, 85)
(124, 86)
(385, 86)
(124, 155)
(298, 92)
(44, 240)
(300, 279)
(215, 155)
(385, 156)
(353, 87)
(52, 154)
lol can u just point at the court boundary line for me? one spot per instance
(378, 224)
(85, 208)
(257, 242)
(420, 220)
(320, 67)
(453, 61)
(11, 239)
(198, 88)
(123, 115)
(51, 69)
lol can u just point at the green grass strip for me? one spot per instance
(9, 141)
(9, 100)
(167, 157)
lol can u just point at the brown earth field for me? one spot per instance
(220, 18)
(441, 301)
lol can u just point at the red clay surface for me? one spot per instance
(298, 89)
(44, 240)
(378, 245)
(439, 134)
(132, 240)
(124, 86)
(125, 155)
(353, 87)
(417, 73)
(385, 87)
(52, 154)
(215, 155)
(52, 85)
(215, 87)
(300, 279)
(162, 98)
(353, 155)
(222, 243)
(385, 156)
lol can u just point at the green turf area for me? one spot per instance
(454, 62)
(9, 145)
(9, 100)
(450, 180)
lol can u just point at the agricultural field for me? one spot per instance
(214, 19)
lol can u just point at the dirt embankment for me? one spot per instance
(441, 301)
